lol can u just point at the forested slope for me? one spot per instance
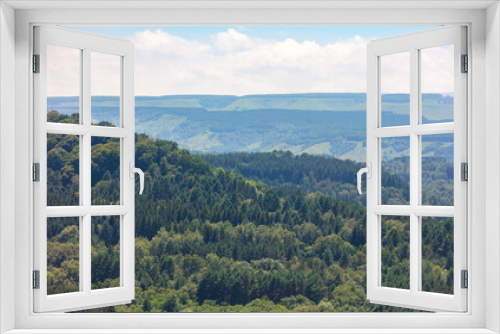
(336, 177)
(210, 240)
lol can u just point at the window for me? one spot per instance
(72, 202)
(419, 122)
(480, 258)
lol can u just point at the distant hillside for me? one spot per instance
(310, 101)
(283, 170)
(318, 123)
(337, 178)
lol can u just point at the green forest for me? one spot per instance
(215, 237)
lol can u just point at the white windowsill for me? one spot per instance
(252, 331)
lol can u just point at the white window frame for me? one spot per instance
(484, 211)
(86, 297)
(414, 210)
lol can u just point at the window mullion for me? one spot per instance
(103, 131)
(422, 211)
(86, 162)
(418, 135)
(414, 171)
(421, 129)
(81, 227)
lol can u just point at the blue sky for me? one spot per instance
(171, 60)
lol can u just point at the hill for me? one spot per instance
(210, 240)
(337, 178)
(320, 124)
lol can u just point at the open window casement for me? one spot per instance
(71, 66)
(413, 64)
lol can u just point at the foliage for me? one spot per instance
(210, 240)
(337, 178)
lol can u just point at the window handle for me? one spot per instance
(139, 171)
(368, 171)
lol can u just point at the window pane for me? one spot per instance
(105, 252)
(63, 84)
(395, 89)
(105, 89)
(437, 169)
(437, 84)
(395, 170)
(63, 170)
(396, 252)
(437, 255)
(105, 171)
(63, 253)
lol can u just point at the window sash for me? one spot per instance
(86, 297)
(414, 298)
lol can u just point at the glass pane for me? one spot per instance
(63, 84)
(395, 89)
(63, 253)
(105, 89)
(105, 171)
(396, 252)
(63, 170)
(437, 84)
(395, 170)
(437, 169)
(437, 255)
(105, 252)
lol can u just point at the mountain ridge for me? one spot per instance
(326, 124)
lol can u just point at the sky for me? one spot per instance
(232, 60)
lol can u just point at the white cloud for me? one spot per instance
(395, 73)
(232, 40)
(437, 70)
(104, 74)
(63, 71)
(233, 62)
(158, 42)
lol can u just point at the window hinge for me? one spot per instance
(464, 171)
(36, 279)
(465, 64)
(36, 63)
(36, 172)
(465, 279)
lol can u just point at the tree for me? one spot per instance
(147, 305)
(171, 304)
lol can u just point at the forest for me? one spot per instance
(217, 239)
(337, 178)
